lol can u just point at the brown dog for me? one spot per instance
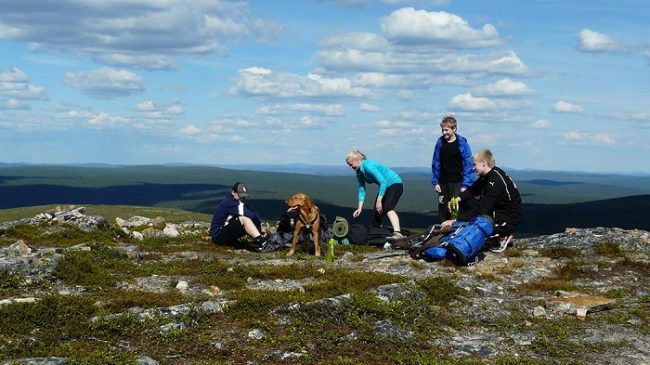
(308, 218)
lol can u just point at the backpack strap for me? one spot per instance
(417, 251)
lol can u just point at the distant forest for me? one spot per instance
(550, 204)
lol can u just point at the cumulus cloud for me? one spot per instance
(542, 124)
(504, 87)
(154, 110)
(16, 89)
(356, 40)
(189, 129)
(591, 41)
(586, 138)
(468, 102)
(258, 81)
(566, 107)
(507, 63)
(398, 128)
(107, 120)
(106, 82)
(369, 108)
(408, 25)
(133, 33)
(594, 42)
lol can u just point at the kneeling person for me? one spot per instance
(233, 219)
(493, 194)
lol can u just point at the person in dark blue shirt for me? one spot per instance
(233, 219)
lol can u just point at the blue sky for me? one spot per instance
(552, 85)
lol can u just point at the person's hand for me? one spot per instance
(379, 207)
(356, 213)
(437, 188)
(447, 224)
(463, 188)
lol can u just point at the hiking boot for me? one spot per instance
(266, 247)
(395, 236)
(503, 243)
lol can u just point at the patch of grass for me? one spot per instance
(110, 212)
(37, 328)
(547, 285)
(99, 268)
(441, 290)
(573, 270)
(514, 252)
(560, 252)
(60, 236)
(9, 280)
(609, 249)
(257, 303)
(554, 338)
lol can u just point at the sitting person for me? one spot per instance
(233, 218)
(493, 194)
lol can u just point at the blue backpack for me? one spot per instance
(463, 242)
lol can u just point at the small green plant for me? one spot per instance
(560, 252)
(609, 249)
(9, 280)
(441, 290)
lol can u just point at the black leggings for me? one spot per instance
(389, 201)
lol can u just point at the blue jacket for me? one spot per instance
(228, 209)
(374, 172)
(465, 152)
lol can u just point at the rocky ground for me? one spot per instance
(78, 289)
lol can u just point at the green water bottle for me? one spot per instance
(329, 258)
(454, 208)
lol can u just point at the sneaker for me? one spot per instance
(503, 243)
(266, 247)
(395, 236)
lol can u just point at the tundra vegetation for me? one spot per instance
(102, 297)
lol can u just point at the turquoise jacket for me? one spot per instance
(374, 172)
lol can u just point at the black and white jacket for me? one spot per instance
(497, 197)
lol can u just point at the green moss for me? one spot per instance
(441, 290)
(560, 252)
(59, 236)
(609, 249)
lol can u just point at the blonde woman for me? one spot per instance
(390, 188)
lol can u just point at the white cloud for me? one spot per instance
(16, 90)
(190, 129)
(587, 138)
(507, 63)
(542, 124)
(355, 40)
(566, 107)
(369, 108)
(591, 41)
(132, 33)
(595, 42)
(153, 110)
(467, 102)
(106, 82)
(408, 25)
(504, 87)
(330, 110)
(258, 81)
(106, 120)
